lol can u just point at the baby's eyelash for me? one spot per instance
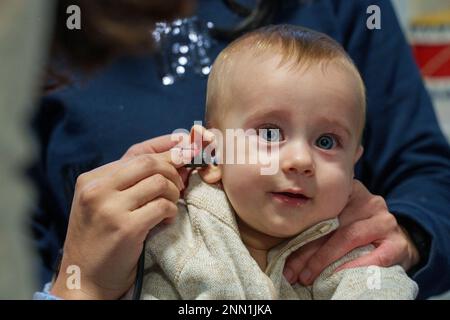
(268, 126)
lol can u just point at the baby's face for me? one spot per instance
(318, 115)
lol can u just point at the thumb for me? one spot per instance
(359, 191)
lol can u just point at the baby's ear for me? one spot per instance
(358, 153)
(211, 174)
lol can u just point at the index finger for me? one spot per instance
(144, 166)
(154, 145)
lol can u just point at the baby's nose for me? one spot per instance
(298, 161)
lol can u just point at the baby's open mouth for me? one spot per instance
(292, 198)
(292, 195)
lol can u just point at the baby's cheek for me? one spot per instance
(241, 181)
(335, 192)
(236, 178)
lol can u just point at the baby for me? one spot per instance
(302, 98)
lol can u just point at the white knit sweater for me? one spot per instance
(202, 256)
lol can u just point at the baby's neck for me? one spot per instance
(258, 244)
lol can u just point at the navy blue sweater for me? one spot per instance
(406, 158)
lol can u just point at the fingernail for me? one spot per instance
(289, 275)
(305, 275)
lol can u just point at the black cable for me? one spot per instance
(141, 263)
(139, 276)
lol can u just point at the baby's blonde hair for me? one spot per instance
(301, 47)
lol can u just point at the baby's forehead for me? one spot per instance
(324, 100)
(246, 76)
(255, 77)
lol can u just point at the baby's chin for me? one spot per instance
(282, 231)
(287, 229)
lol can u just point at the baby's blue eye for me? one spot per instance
(326, 142)
(270, 134)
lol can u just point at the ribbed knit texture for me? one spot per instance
(202, 256)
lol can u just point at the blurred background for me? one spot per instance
(25, 28)
(24, 36)
(427, 27)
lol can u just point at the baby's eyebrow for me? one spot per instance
(273, 113)
(281, 114)
(335, 122)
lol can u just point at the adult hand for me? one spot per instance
(198, 135)
(113, 209)
(365, 220)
